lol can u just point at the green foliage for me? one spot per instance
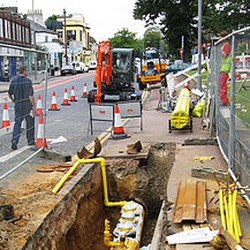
(126, 39)
(178, 18)
(242, 48)
(52, 23)
(152, 37)
(242, 102)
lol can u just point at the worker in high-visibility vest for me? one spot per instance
(224, 69)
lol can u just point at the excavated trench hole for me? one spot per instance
(77, 221)
(144, 181)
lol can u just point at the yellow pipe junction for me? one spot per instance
(104, 176)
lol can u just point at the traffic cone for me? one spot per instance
(65, 98)
(118, 132)
(72, 95)
(85, 91)
(39, 109)
(40, 140)
(186, 86)
(5, 119)
(53, 106)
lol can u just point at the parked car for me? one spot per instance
(80, 67)
(68, 70)
(92, 65)
(177, 66)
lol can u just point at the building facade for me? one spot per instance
(14, 33)
(76, 34)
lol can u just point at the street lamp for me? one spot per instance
(34, 39)
(65, 36)
(65, 32)
(199, 43)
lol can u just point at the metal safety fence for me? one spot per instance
(18, 55)
(231, 122)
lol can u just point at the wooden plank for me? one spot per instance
(191, 202)
(194, 247)
(201, 204)
(179, 203)
(189, 206)
(120, 151)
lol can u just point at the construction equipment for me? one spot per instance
(153, 69)
(114, 75)
(181, 117)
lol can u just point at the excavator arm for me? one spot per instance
(103, 72)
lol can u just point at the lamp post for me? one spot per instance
(65, 32)
(199, 42)
(34, 40)
(65, 36)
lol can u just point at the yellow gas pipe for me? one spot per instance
(103, 168)
(107, 235)
(180, 116)
(126, 244)
(222, 212)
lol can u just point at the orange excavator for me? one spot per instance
(114, 75)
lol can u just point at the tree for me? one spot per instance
(154, 38)
(52, 23)
(126, 39)
(178, 18)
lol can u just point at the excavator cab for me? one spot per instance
(122, 72)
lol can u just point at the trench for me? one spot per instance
(77, 220)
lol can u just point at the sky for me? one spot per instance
(105, 17)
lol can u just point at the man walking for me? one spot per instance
(21, 92)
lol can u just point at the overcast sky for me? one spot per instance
(105, 17)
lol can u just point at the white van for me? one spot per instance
(80, 67)
(92, 65)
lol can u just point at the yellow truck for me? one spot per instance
(152, 69)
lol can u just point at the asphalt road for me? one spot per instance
(66, 130)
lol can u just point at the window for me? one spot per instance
(60, 35)
(1, 27)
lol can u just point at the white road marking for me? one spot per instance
(13, 154)
(57, 140)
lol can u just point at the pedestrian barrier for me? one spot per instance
(53, 106)
(39, 109)
(40, 140)
(65, 98)
(106, 112)
(72, 95)
(85, 91)
(131, 109)
(5, 118)
(118, 131)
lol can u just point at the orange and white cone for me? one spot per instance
(118, 132)
(186, 86)
(65, 98)
(41, 140)
(39, 109)
(5, 118)
(85, 91)
(72, 95)
(53, 105)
